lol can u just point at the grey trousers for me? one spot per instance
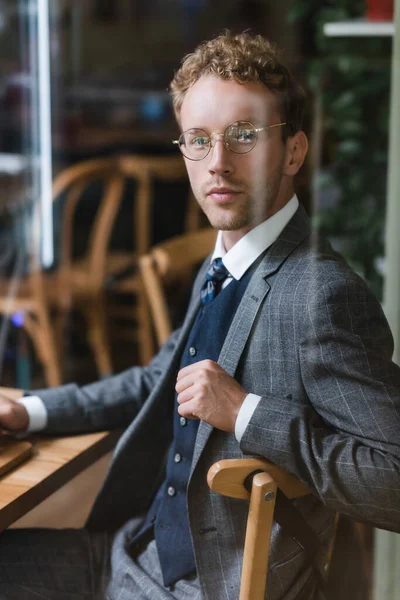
(74, 564)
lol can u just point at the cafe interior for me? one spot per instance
(97, 219)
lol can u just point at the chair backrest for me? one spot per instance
(173, 260)
(269, 489)
(73, 182)
(146, 169)
(112, 173)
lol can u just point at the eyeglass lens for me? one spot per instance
(240, 137)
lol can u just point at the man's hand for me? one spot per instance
(13, 415)
(207, 392)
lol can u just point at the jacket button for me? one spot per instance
(182, 421)
(171, 491)
(192, 351)
(177, 458)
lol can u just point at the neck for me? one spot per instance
(230, 238)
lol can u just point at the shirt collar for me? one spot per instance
(242, 255)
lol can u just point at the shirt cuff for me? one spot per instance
(245, 413)
(37, 413)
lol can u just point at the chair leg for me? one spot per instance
(258, 534)
(95, 315)
(60, 327)
(40, 331)
(144, 330)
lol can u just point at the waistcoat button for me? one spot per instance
(171, 491)
(182, 421)
(177, 458)
(192, 351)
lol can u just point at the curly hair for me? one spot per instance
(243, 58)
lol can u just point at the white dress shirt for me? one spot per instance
(237, 260)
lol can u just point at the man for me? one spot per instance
(284, 353)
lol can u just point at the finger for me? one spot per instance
(188, 370)
(195, 367)
(185, 396)
(199, 375)
(185, 410)
(186, 382)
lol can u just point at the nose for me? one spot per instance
(220, 158)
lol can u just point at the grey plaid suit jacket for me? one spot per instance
(311, 339)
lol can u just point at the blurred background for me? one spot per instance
(89, 178)
(108, 67)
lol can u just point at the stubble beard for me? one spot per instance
(246, 213)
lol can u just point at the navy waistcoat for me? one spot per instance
(168, 513)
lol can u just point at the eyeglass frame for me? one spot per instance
(222, 137)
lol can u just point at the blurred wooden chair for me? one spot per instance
(269, 490)
(82, 282)
(167, 263)
(28, 296)
(74, 282)
(146, 171)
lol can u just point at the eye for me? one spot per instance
(200, 141)
(244, 136)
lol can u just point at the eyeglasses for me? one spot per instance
(239, 137)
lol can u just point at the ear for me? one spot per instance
(296, 150)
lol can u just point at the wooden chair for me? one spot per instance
(146, 170)
(260, 482)
(79, 283)
(167, 263)
(83, 282)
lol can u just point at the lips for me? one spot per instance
(222, 191)
(222, 195)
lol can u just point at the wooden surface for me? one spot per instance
(12, 453)
(54, 461)
(13, 393)
(70, 505)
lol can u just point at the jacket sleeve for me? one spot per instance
(344, 441)
(107, 404)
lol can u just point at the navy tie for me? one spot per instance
(216, 275)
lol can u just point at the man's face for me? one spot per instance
(236, 191)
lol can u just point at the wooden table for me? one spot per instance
(55, 460)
